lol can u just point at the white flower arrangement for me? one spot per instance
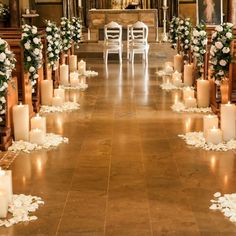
(185, 30)
(54, 46)
(4, 10)
(173, 32)
(7, 64)
(66, 33)
(31, 41)
(199, 44)
(77, 30)
(220, 55)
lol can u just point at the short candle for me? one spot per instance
(214, 136)
(209, 121)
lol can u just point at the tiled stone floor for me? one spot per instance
(124, 172)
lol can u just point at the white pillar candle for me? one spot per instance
(57, 101)
(214, 136)
(203, 93)
(188, 92)
(228, 117)
(188, 75)
(21, 122)
(59, 92)
(64, 74)
(37, 136)
(74, 82)
(178, 63)
(190, 102)
(6, 183)
(3, 204)
(209, 122)
(46, 92)
(39, 122)
(82, 67)
(73, 63)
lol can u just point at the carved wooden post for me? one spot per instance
(14, 11)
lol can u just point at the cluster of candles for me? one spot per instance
(5, 192)
(22, 124)
(212, 133)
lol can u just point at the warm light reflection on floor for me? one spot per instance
(188, 124)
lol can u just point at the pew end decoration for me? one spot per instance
(77, 30)
(173, 32)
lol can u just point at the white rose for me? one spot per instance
(229, 35)
(196, 49)
(223, 62)
(2, 56)
(187, 33)
(56, 43)
(3, 100)
(49, 49)
(226, 50)
(34, 31)
(51, 54)
(230, 25)
(219, 45)
(36, 40)
(7, 62)
(48, 29)
(36, 76)
(2, 42)
(219, 28)
(195, 33)
(214, 35)
(57, 51)
(186, 46)
(27, 46)
(202, 33)
(204, 42)
(36, 51)
(31, 69)
(195, 41)
(65, 40)
(49, 37)
(186, 41)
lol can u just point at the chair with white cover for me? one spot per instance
(112, 40)
(139, 40)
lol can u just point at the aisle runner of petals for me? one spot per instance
(67, 106)
(91, 73)
(79, 87)
(50, 141)
(180, 107)
(226, 204)
(21, 208)
(170, 86)
(197, 139)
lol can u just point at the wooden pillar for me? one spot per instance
(14, 11)
(232, 11)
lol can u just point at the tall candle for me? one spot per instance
(214, 136)
(73, 63)
(39, 122)
(203, 93)
(6, 183)
(57, 101)
(21, 122)
(228, 117)
(64, 74)
(60, 93)
(188, 75)
(3, 204)
(46, 92)
(209, 121)
(188, 92)
(37, 136)
(178, 63)
(82, 67)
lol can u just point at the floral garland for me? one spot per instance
(76, 24)
(32, 44)
(4, 10)
(53, 43)
(66, 33)
(220, 55)
(174, 32)
(199, 43)
(7, 64)
(185, 28)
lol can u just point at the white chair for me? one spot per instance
(139, 40)
(112, 40)
(129, 40)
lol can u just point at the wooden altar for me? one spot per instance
(99, 18)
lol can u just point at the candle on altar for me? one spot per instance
(37, 136)
(228, 117)
(188, 74)
(46, 92)
(59, 92)
(21, 122)
(39, 122)
(203, 93)
(188, 92)
(214, 136)
(64, 74)
(81, 67)
(57, 101)
(6, 183)
(3, 204)
(164, 3)
(190, 102)
(178, 63)
(209, 121)
(73, 63)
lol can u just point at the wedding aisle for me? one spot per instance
(124, 171)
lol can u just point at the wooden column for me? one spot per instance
(14, 11)
(232, 11)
